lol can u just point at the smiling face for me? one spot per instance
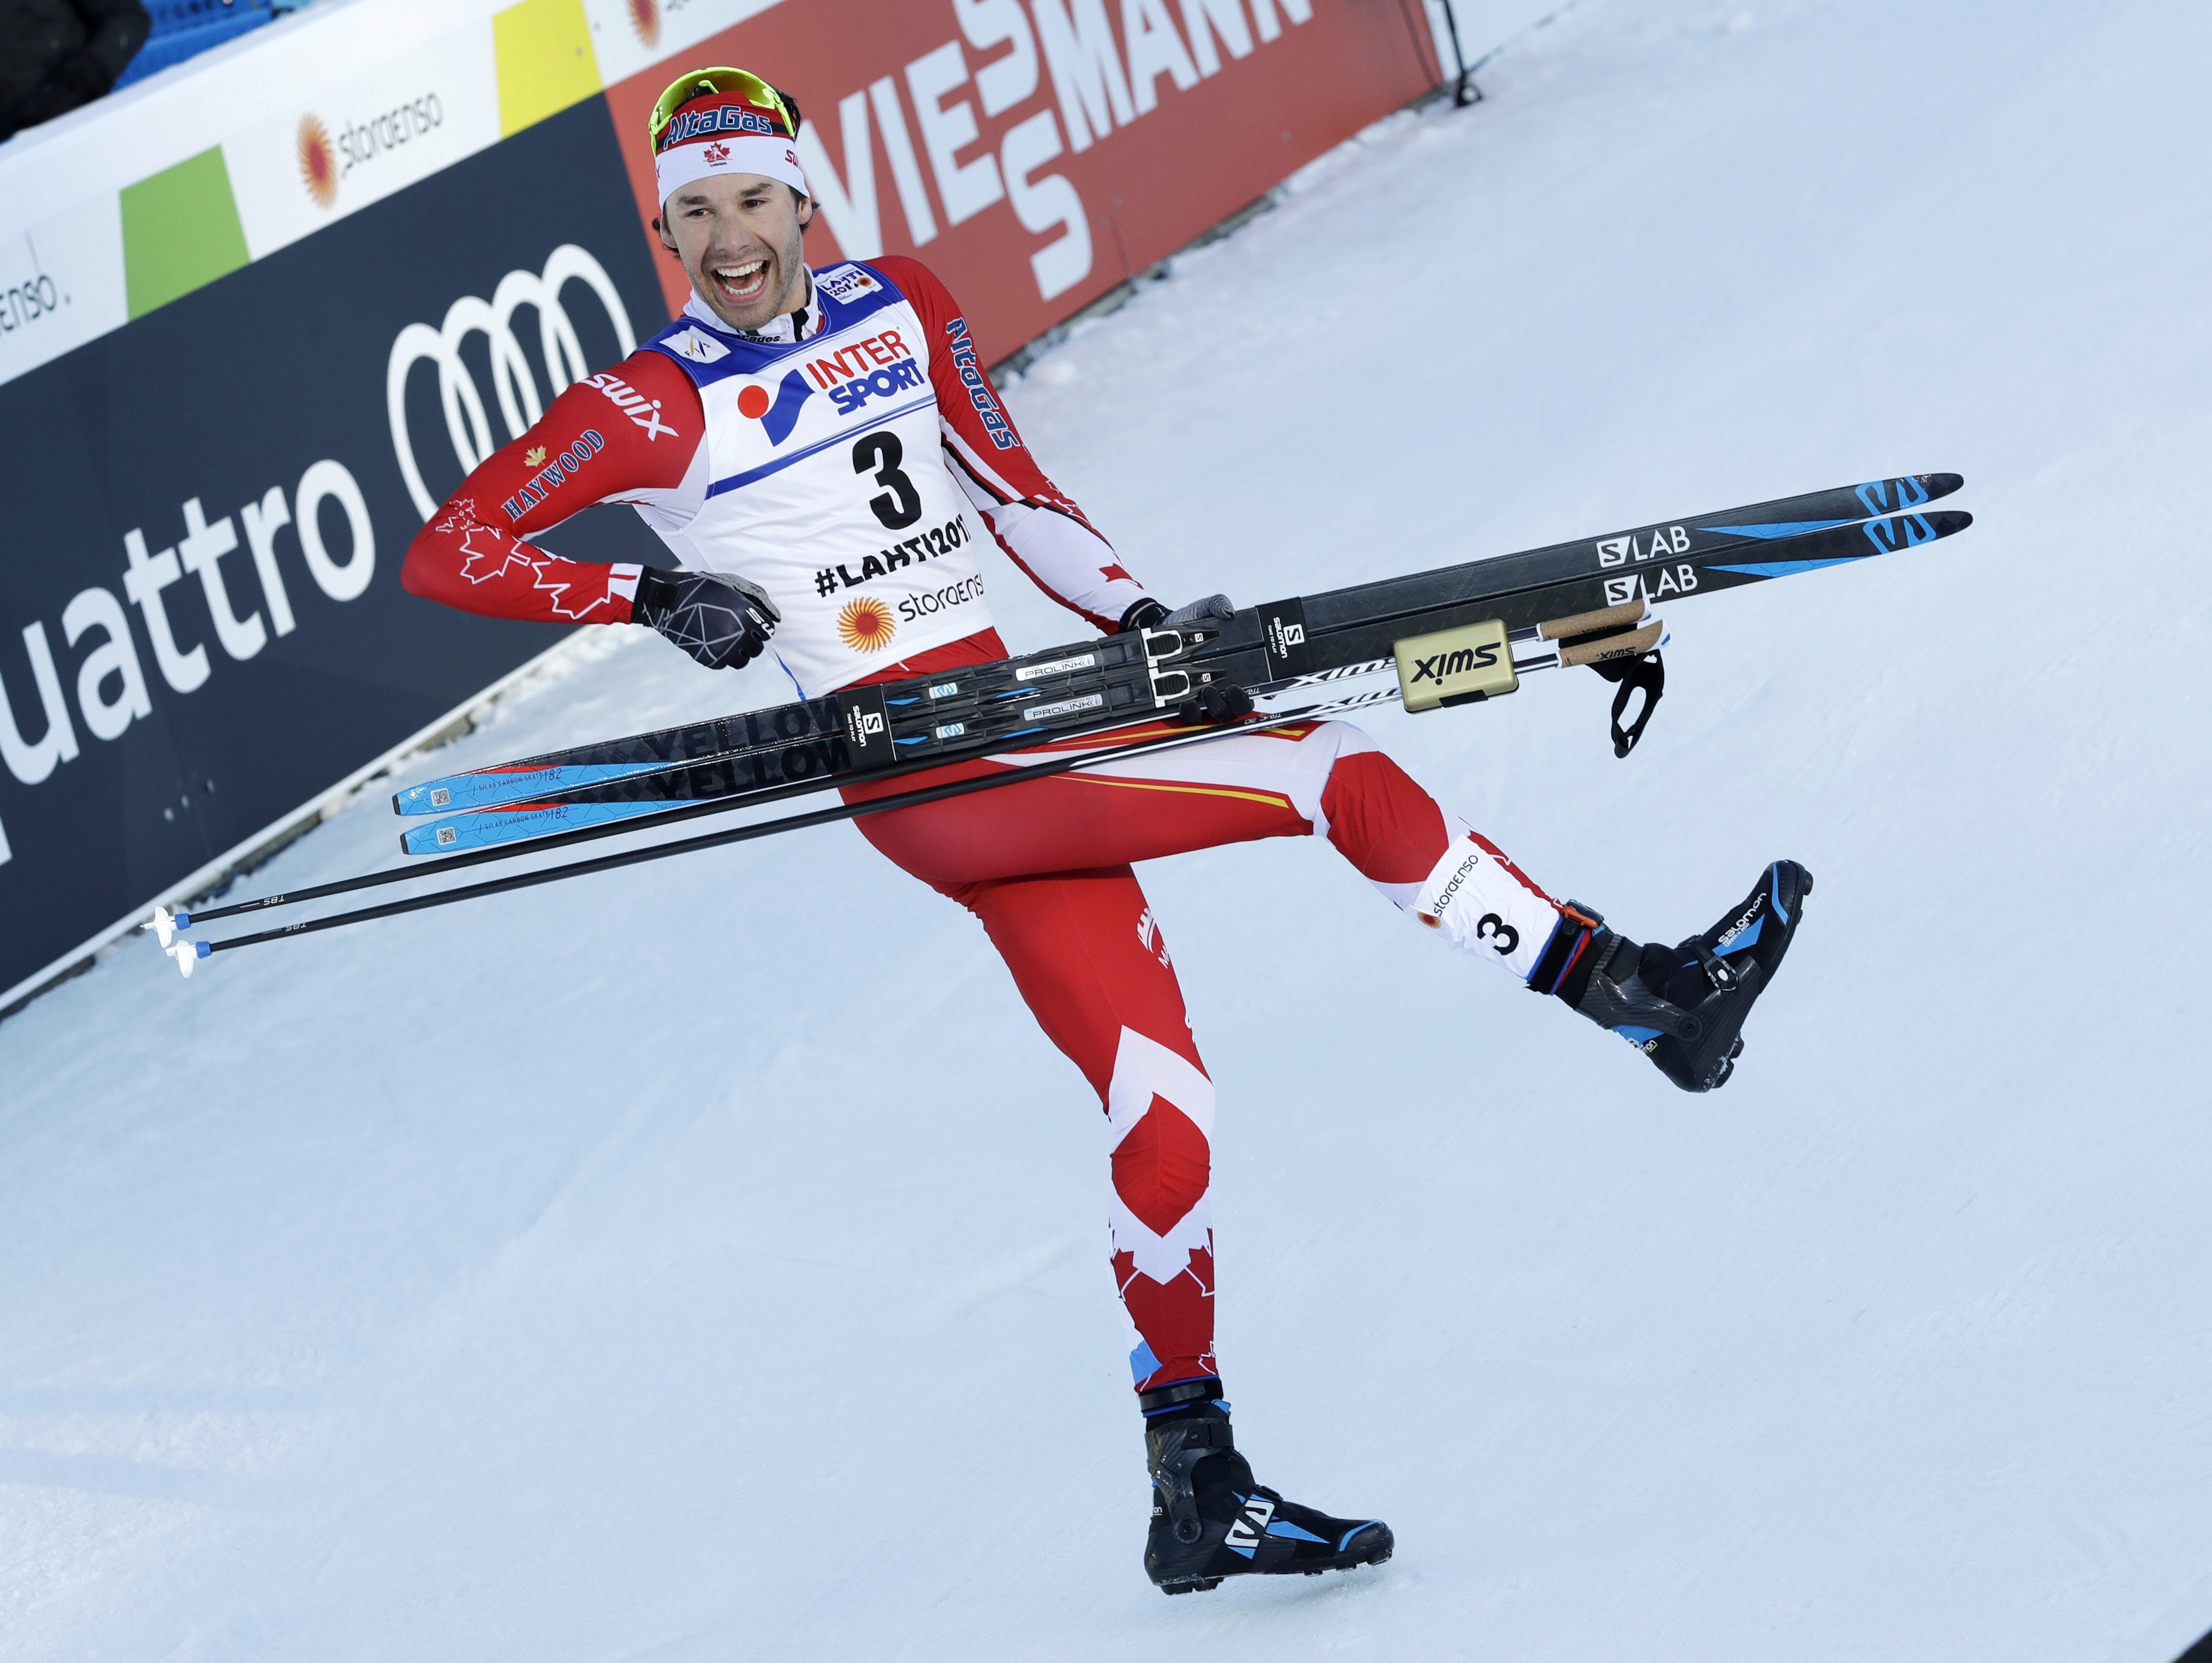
(739, 236)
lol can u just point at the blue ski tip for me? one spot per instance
(492, 786)
(1896, 496)
(481, 827)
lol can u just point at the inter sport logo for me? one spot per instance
(780, 414)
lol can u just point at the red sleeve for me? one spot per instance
(1039, 526)
(631, 430)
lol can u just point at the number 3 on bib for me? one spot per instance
(900, 504)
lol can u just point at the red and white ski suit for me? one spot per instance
(720, 441)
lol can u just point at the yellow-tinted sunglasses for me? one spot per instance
(720, 79)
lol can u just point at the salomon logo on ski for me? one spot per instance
(1663, 539)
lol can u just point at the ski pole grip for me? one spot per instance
(1632, 645)
(1612, 618)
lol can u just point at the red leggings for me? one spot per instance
(1045, 865)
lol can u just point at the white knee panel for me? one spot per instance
(1481, 903)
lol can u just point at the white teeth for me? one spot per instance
(739, 273)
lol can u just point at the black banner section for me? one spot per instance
(202, 518)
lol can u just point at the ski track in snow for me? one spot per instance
(707, 1260)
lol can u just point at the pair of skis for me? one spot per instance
(1452, 635)
(1287, 647)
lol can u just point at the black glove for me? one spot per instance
(1149, 614)
(721, 620)
(1217, 705)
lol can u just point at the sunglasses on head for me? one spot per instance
(721, 79)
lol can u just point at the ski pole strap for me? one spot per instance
(1646, 674)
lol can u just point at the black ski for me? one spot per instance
(1268, 651)
(961, 713)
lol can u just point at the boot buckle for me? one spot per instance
(1717, 970)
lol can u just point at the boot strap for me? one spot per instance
(1717, 970)
(1175, 1393)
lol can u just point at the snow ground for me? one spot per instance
(646, 1269)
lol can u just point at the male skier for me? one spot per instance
(824, 454)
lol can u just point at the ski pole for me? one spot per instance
(166, 924)
(1466, 92)
(187, 953)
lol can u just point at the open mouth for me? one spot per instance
(743, 284)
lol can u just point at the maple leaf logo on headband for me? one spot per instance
(717, 153)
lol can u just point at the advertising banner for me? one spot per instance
(201, 622)
(1037, 155)
(259, 314)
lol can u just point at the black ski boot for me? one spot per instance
(1211, 1520)
(1682, 1005)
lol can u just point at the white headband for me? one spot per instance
(680, 165)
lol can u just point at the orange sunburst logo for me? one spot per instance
(319, 163)
(644, 18)
(865, 626)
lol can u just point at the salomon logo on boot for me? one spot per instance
(1251, 1524)
(1684, 1005)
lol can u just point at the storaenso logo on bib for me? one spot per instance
(865, 626)
(914, 606)
(514, 387)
